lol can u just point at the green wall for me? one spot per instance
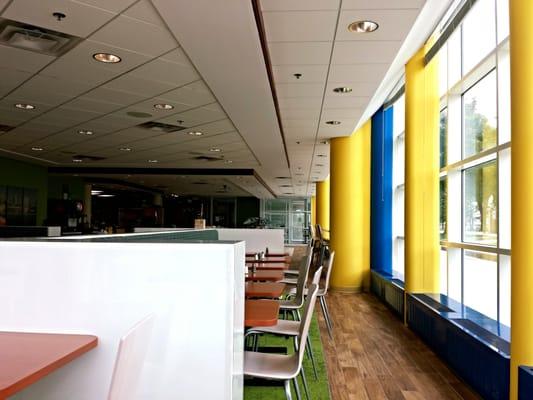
(21, 174)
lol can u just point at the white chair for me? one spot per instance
(296, 302)
(130, 359)
(282, 367)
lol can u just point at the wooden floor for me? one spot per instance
(374, 356)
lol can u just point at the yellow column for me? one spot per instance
(313, 210)
(350, 210)
(421, 175)
(322, 206)
(521, 188)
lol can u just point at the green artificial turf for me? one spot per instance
(318, 389)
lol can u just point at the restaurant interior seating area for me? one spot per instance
(266, 200)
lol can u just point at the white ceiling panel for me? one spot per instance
(346, 128)
(308, 124)
(364, 52)
(340, 113)
(340, 101)
(144, 10)
(198, 116)
(296, 53)
(359, 89)
(393, 24)
(23, 60)
(113, 96)
(358, 73)
(284, 5)
(304, 103)
(134, 35)
(177, 56)
(81, 19)
(309, 73)
(194, 94)
(300, 89)
(84, 103)
(293, 26)
(165, 71)
(143, 87)
(115, 5)
(11, 79)
(381, 4)
(291, 113)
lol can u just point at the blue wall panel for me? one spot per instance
(381, 194)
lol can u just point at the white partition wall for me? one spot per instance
(195, 290)
(256, 239)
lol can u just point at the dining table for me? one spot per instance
(261, 312)
(267, 266)
(270, 260)
(270, 290)
(265, 275)
(270, 254)
(26, 357)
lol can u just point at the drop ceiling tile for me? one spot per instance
(298, 53)
(294, 26)
(165, 71)
(83, 103)
(81, 19)
(147, 107)
(144, 11)
(346, 128)
(364, 52)
(301, 103)
(23, 60)
(72, 115)
(224, 140)
(309, 123)
(291, 113)
(177, 56)
(115, 5)
(309, 73)
(11, 78)
(132, 84)
(284, 5)
(78, 64)
(393, 24)
(134, 35)
(114, 96)
(198, 116)
(359, 89)
(341, 113)
(297, 134)
(381, 4)
(345, 102)
(358, 72)
(300, 89)
(194, 94)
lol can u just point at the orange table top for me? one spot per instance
(28, 357)
(271, 275)
(270, 255)
(262, 265)
(270, 260)
(264, 289)
(261, 312)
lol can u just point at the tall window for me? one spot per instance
(398, 187)
(291, 214)
(475, 161)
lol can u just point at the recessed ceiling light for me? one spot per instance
(163, 106)
(37, 148)
(319, 165)
(324, 142)
(228, 162)
(196, 133)
(333, 122)
(94, 192)
(107, 58)
(106, 195)
(342, 89)
(78, 160)
(125, 149)
(363, 26)
(321, 155)
(215, 149)
(153, 161)
(25, 106)
(85, 132)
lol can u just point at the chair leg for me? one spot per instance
(327, 310)
(324, 312)
(288, 394)
(299, 315)
(304, 380)
(312, 356)
(296, 388)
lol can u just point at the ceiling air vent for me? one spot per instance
(207, 158)
(160, 127)
(33, 38)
